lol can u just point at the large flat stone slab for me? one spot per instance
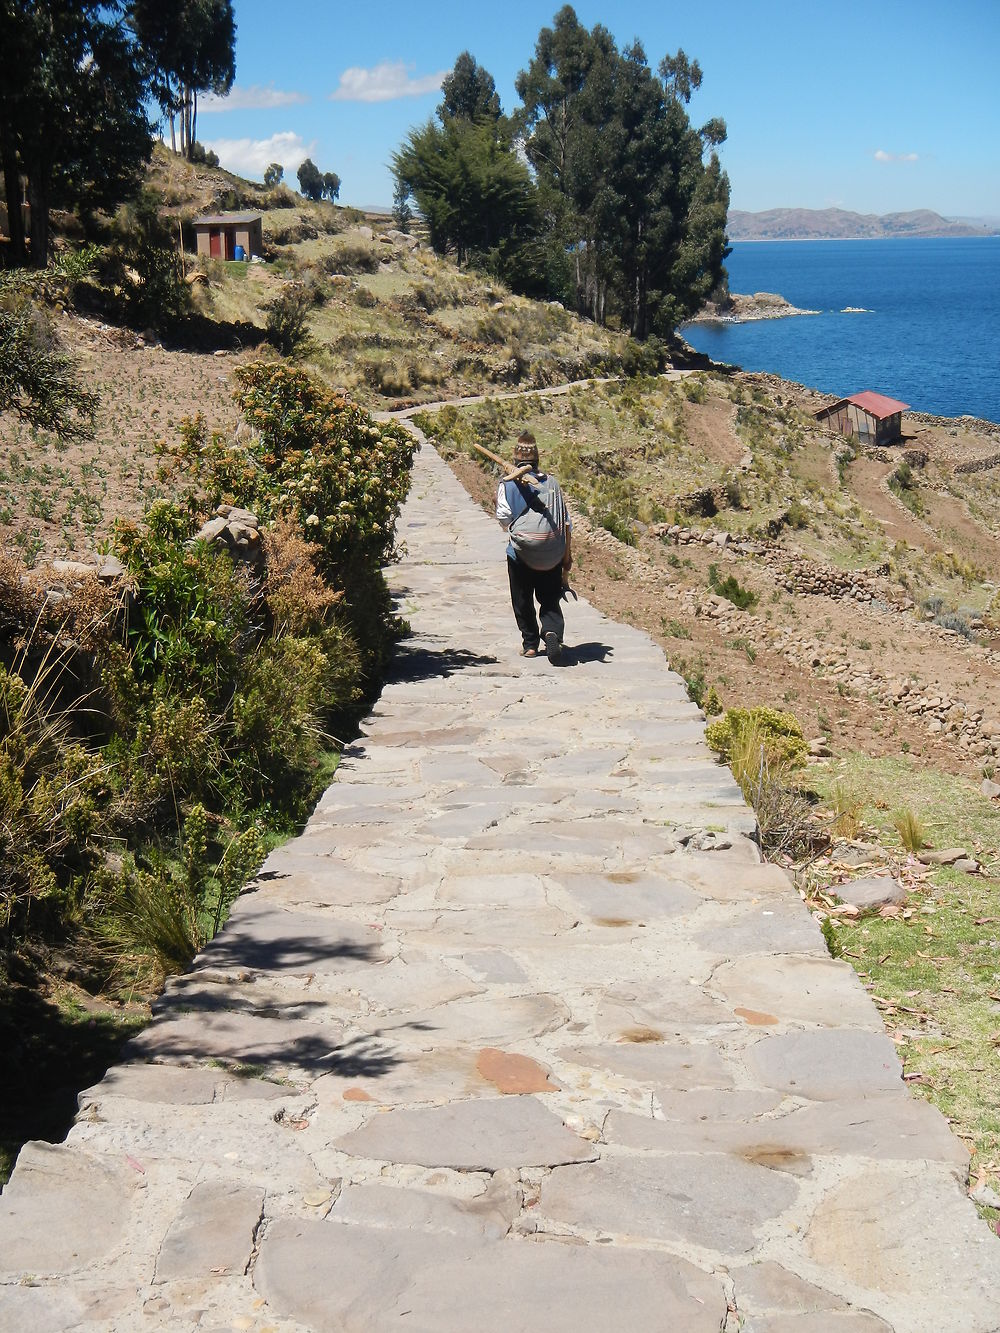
(483, 1135)
(487, 1216)
(713, 1201)
(891, 1127)
(828, 1065)
(628, 895)
(351, 1279)
(213, 1233)
(62, 1209)
(903, 1234)
(651, 1062)
(797, 988)
(269, 1044)
(174, 1085)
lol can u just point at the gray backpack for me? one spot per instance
(539, 534)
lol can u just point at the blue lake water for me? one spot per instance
(930, 335)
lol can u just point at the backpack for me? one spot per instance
(538, 536)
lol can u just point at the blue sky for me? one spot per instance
(877, 106)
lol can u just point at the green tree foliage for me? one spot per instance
(145, 266)
(38, 381)
(273, 175)
(620, 210)
(641, 210)
(331, 185)
(311, 182)
(473, 191)
(469, 92)
(190, 48)
(72, 115)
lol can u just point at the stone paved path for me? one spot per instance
(526, 1037)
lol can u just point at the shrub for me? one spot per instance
(743, 729)
(287, 320)
(762, 747)
(354, 257)
(619, 527)
(200, 154)
(146, 267)
(731, 589)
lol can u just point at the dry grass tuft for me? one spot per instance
(910, 830)
(299, 599)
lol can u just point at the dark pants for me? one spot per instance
(526, 585)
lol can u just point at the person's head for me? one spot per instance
(526, 450)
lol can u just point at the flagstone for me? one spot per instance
(827, 1065)
(487, 1216)
(39, 1233)
(483, 1135)
(718, 1202)
(679, 1066)
(631, 894)
(905, 1233)
(797, 988)
(213, 1232)
(769, 1287)
(261, 938)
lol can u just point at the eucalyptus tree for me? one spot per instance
(641, 210)
(72, 111)
(190, 46)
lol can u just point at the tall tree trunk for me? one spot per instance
(38, 200)
(12, 193)
(194, 115)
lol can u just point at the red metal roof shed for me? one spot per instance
(877, 404)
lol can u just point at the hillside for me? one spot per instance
(814, 224)
(395, 326)
(775, 563)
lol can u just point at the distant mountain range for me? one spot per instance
(802, 224)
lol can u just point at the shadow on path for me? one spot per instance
(428, 663)
(578, 654)
(240, 945)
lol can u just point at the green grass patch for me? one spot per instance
(935, 968)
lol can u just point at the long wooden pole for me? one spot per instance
(518, 473)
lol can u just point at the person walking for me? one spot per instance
(532, 511)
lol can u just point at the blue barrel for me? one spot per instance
(239, 253)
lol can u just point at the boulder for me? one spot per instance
(945, 856)
(990, 788)
(872, 891)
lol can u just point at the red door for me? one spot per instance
(215, 243)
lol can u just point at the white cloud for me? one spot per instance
(385, 82)
(249, 157)
(882, 156)
(255, 98)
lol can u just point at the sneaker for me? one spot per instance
(553, 648)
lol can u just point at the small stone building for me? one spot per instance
(218, 235)
(870, 417)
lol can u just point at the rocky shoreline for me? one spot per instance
(740, 308)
